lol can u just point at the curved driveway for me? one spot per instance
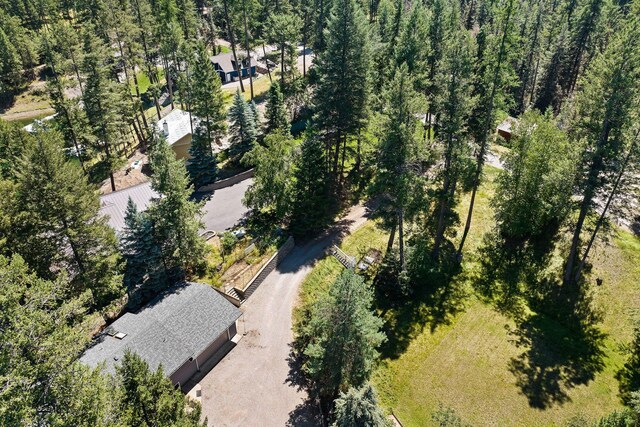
(250, 386)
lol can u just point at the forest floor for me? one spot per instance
(456, 349)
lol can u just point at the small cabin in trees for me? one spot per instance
(176, 128)
(505, 129)
(226, 67)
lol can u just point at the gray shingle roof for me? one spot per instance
(179, 324)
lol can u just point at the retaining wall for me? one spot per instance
(223, 183)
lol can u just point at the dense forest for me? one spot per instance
(395, 105)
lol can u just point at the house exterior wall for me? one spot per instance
(184, 372)
(181, 147)
(190, 367)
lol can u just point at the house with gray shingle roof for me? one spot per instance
(179, 330)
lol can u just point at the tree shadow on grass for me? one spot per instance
(556, 359)
(561, 343)
(438, 295)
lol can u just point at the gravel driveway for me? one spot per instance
(250, 386)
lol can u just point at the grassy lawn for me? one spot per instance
(261, 87)
(490, 369)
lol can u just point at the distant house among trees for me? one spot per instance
(176, 128)
(183, 329)
(227, 69)
(505, 129)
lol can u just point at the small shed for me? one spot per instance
(505, 128)
(181, 330)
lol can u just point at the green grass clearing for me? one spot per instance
(493, 371)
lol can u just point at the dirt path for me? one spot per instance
(252, 386)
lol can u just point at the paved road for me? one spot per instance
(250, 386)
(223, 208)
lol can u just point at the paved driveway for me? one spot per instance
(250, 386)
(224, 208)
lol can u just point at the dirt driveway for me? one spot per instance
(250, 386)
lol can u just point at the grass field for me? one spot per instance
(493, 370)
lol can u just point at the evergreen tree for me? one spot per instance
(202, 166)
(629, 376)
(359, 407)
(342, 93)
(207, 105)
(493, 79)
(102, 103)
(207, 102)
(56, 223)
(150, 397)
(144, 274)
(38, 340)
(452, 105)
(175, 217)
(13, 142)
(344, 334)
(310, 210)
(276, 112)
(398, 150)
(242, 132)
(604, 109)
(284, 32)
(10, 64)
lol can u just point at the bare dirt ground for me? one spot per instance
(127, 176)
(257, 383)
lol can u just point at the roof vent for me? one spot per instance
(165, 128)
(120, 335)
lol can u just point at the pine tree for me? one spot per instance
(493, 76)
(102, 103)
(39, 340)
(202, 166)
(359, 407)
(10, 64)
(344, 334)
(284, 32)
(242, 132)
(175, 217)
(603, 113)
(310, 210)
(342, 93)
(397, 151)
(144, 274)
(206, 99)
(150, 397)
(57, 225)
(276, 112)
(13, 142)
(452, 105)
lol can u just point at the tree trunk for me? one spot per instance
(589, 193)
(246, 44)
(604, 212)
(233, 42)
(401, 238)
(487, 128)
(264, 52)
(392, 237)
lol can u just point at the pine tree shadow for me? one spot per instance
(556, 359)
(438, 295)
(561, 343)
